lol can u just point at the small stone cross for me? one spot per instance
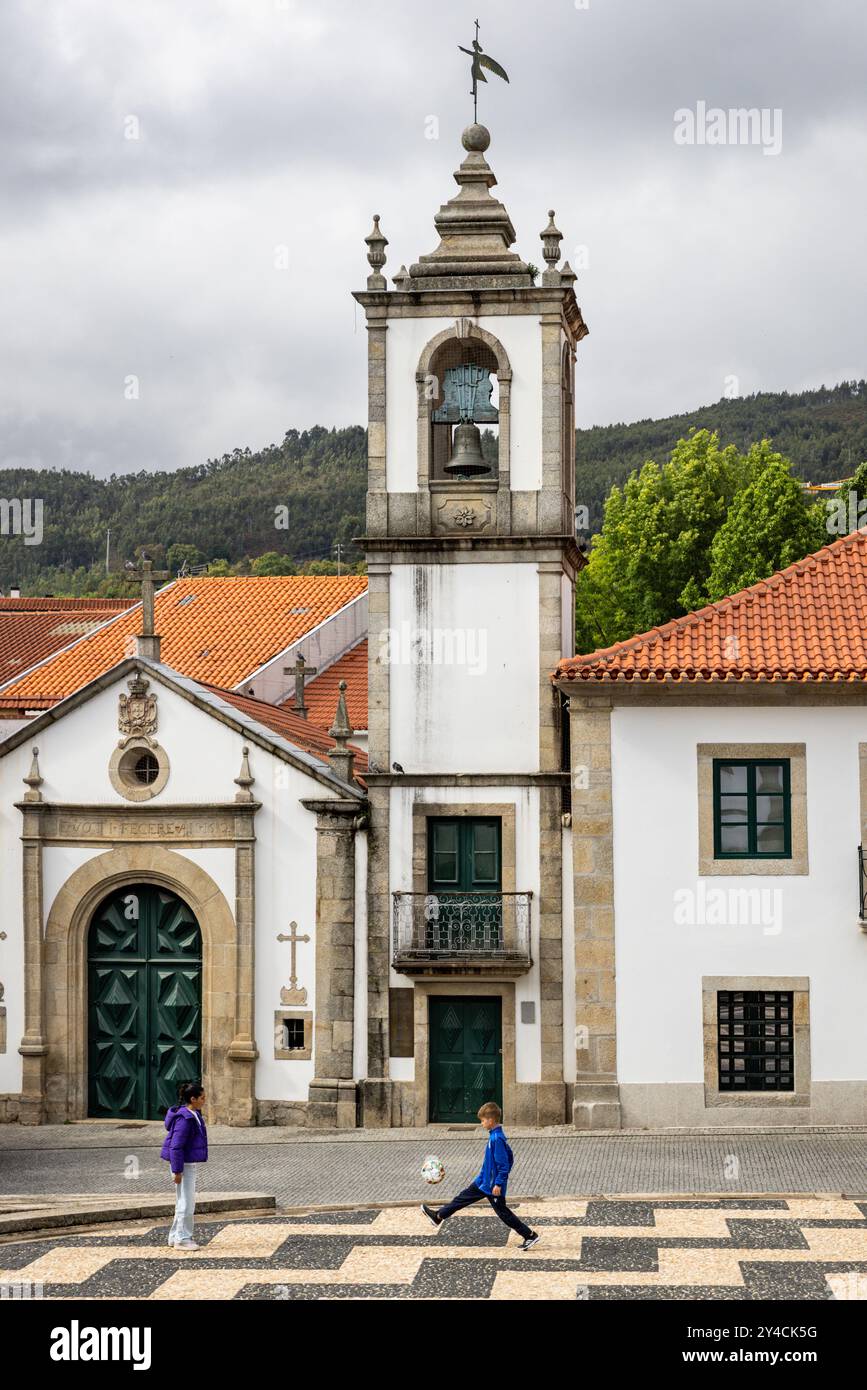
(145, 575)
(299, 671)
(293, 995)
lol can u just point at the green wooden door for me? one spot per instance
(466, 1063)
(465, 877)
(144, 1002)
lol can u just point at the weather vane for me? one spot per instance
(480, 61)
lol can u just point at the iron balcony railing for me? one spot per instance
(461, 925)
(862, 886)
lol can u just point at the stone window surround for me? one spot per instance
(126, 784)
(422, 811)
(283, 1053)
(798, 863)
(800, 987)
(424, 989)
(505, 812)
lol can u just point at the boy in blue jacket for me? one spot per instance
(490, 1182)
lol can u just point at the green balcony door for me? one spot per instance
(144, 1003)
(465, 877)
(466, 1063)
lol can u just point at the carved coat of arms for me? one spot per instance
(137, 712)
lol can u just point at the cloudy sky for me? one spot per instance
(186, 185)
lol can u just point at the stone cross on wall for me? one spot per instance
(299, 671)
(293, 995)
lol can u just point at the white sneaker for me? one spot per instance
(186, 1245)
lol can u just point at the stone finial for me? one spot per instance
(401, 279)
(34, 779)
(376, 244)
(475, 231)
(567, 274)
(245, 778)
(341, 757)
(551, 238)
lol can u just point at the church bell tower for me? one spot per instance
(472, 557)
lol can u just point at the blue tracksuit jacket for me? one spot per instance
(498, 1162)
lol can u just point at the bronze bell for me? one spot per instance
(467, 460)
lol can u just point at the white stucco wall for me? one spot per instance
(480, 713)
(660, 964)
(521, 337)
(526, 803)
(205, 757)
(320, 648)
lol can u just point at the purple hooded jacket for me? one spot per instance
(186, 1141)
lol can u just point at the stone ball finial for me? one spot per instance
(476, 138)
(376, 243)
(551, 238)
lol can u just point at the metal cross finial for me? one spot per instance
(293, 940)
(480, 61)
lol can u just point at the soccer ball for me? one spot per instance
(433, 1170)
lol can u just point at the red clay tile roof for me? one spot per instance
(290, 726)
(32, 629)
(804, 623)
(216, 630)
(51, 605)
(320, 694)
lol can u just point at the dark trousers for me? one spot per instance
(475, 1194)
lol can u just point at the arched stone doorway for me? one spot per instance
(228, 1048)
(144, 1002)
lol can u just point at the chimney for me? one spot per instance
(15, 592)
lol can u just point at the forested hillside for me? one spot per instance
(823, 432)
(224, 511)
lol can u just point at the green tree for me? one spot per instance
(655, 542)
(770, 525)
(272, 563)
(179, 555)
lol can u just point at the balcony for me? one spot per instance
(461, 933)
(862, 889)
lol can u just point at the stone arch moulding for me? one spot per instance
(463, 328)
(228, 1051)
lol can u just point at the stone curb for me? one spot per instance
(65, 1215)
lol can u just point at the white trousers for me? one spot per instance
(185, 1205)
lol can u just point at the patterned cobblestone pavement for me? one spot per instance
(653, 1248)
(301, 1172)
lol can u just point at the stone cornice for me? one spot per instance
(473, 302)
(467, 779)
(745, 692)
(466, 545)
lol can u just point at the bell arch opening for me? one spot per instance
(464, 384)
(464, 413)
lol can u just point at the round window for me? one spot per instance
(146, 769)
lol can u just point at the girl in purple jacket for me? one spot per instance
(185, 1145)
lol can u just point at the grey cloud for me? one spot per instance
(264, 125)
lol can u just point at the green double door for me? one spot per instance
(466, 1062)
(144, 1002)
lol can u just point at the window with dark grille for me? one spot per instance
(755, 1033)
(293, 1032)
(752, 809)
(146, 769)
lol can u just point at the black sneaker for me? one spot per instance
(431, 1215)
(532, 1239)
